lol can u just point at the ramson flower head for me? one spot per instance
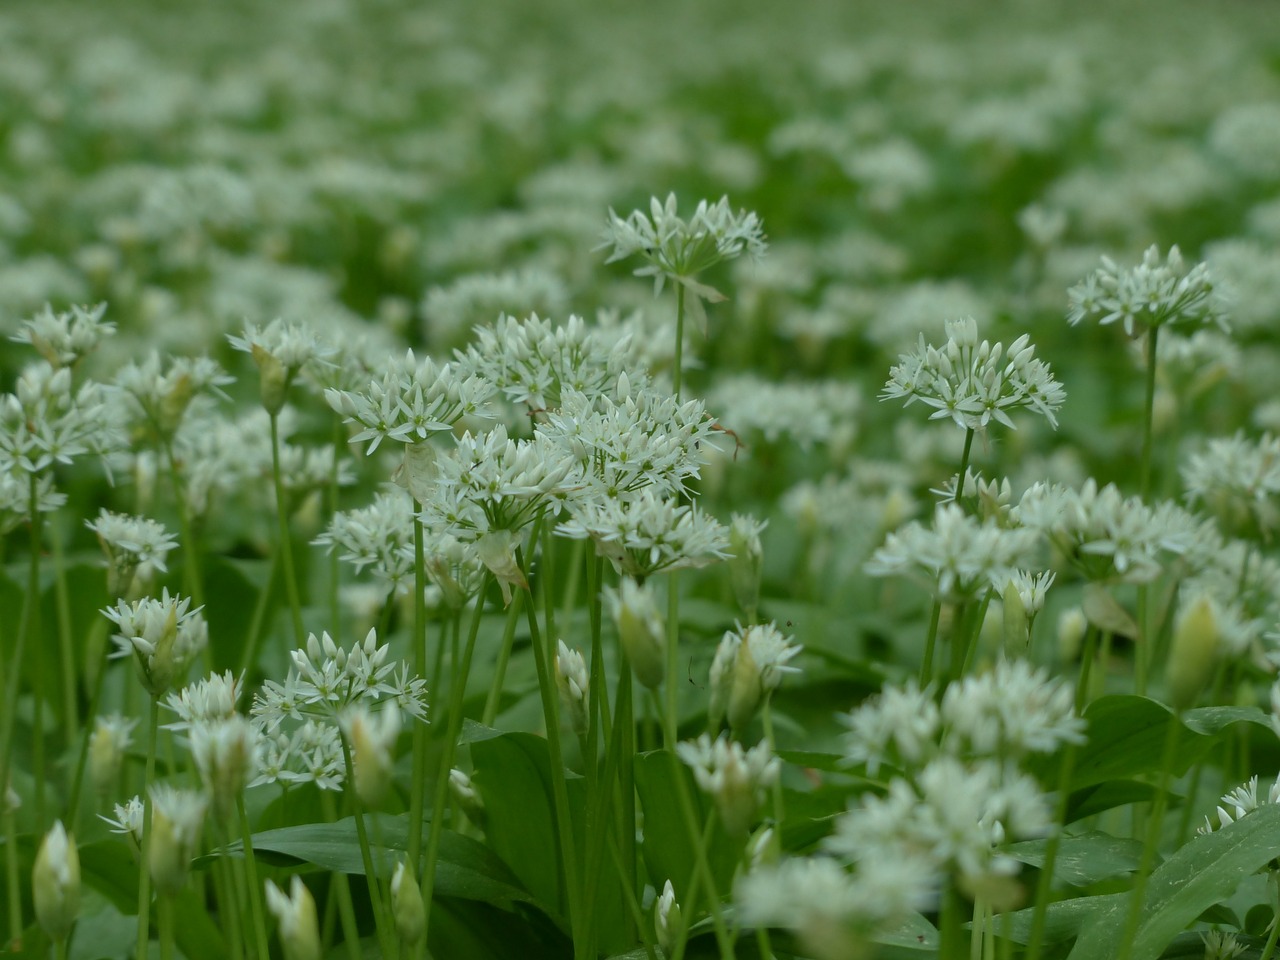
(63, 338)
(163, 636)
(972, 382)
(677, 249)
(1153, 293)
(134, 546)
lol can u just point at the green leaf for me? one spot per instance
(1099, 797)
(466, 869)
(1084, 859)
(1203, 873)
(669, 851)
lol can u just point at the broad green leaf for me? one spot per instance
(1083, 859)
(1205, 872)
(669, 850)
(1099, 797)
(1063, 919)
(1126, 738)
(479, 931)
(466, 869)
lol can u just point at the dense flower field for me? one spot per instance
(677, 480)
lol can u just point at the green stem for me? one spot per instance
(766, 717)
(286, 541)
(1087, 657)
(192, 579)
(417, 793)
(1148, 414)
(670, 716)
(494, 698)
(964, 463)
(144, 863)
(1138, 897)
(677, 369)
(930, 643)
(950, 925)
(228, 905)
(164, 914)
(1044, 887)
(441, 795)
(978, 929)
(342, 886)
(701, 839)
(254, 636)
(70, 721)
(12, 874)
(28, 624)
(255, 888)
(559, 788)
(335, 567)
(386, 936)
(629, 894)
(1269, 950)
(95, 705)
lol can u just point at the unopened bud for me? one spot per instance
(273, 379)
(464, 792)
(640, 630)
(177, 819)
(107, 743)
(55, 883)
(1195, 648)
(1072, 626)
(572, 685)
(406, 904)
(299, 931)
(746, 561)
(1016, 624)
(666, 917)
(373, 740)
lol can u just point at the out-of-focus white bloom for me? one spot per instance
(1239, 480)
(373, 740)
(163, 636)
(55, 883)
(177, 820)
(807, 414)
(1151, 294)
(736, 779)
(1221, 946)
(640, 627)
(899, 726)
(226, 751)
(134, 547)
(746, 561)
(450, 313)
(296, 913)
(63, 338)
(407, 906)
(973, 383)
(159, 397)
(958, 556)
(107, 744)
(1011, 710)
(679, 250)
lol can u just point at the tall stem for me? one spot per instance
(386, 936)
(144, 862)
(964, 463)
(417, 793)
(1045, 885)
(930, 642)
(441, 795)
(255, 888)
(286, 544)
(494, 698)
(28, 624)
(1148, 414)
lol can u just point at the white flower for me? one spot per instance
(63, 338)
(1150, 294)
(379, 536)
(749, 664)
(163, 636)
(905, 719)
(226, 751)
(973, 383)
(1011, 710)
(296, 913)
(128, 820)
(679, 250)
(134, 546)
(573, 685)
(206, 700)
(159, 398)
(735, 778)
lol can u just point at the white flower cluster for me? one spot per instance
(163, 636)
(158, 395)
(1240, 802)
(64, 338)
(737, 779)
(411, 401)
(1150, 294)
(1106, 535)
(806, 414)
(534, 363)
(972, 382)
(45, 421)
(135, 546)
(678, 250)
(379, 536)
(958, 556)
(1239, 480)
(749, 664)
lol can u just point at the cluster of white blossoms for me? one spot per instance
(958, 556)
(957, 798)
(1107, 535)
(1153, 293)
(534, 362)
(1240, 802)
(135, 547)
(679, 249)
(411, 401)
(806, 414)
(379, 536)
(1238, 479)
(63, 339)
(157, 395)
(736, 778)
(749, 664)
(972, 382)
(163, 636)
(46, 420)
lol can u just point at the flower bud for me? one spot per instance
(1016, 625)
(107, 743)
(226, 753)
(1195, 648)
(299, 931)
(746, 561)
(497, 551)
(666, 917)
(417, 472)
(177, 818)
(1072, 626)
(373, 740)
(55, 883)
(745, 690)
(640, 630)
(406, 904)
(572, 684)
(273, 379)
(464, 792)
